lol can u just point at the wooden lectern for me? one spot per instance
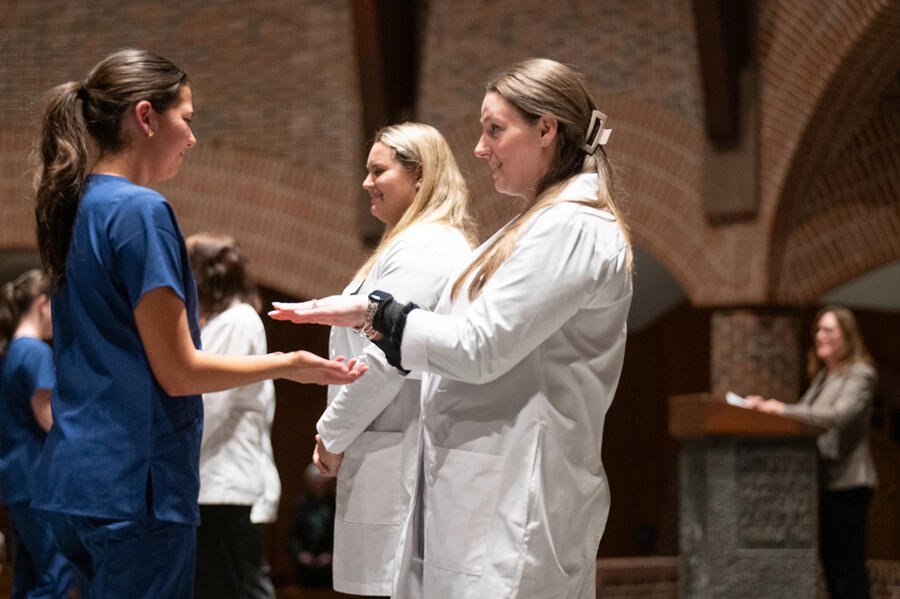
(748, 522)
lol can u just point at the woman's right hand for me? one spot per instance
(334, 310)
(771, 406)
(306, 367)
(753, 401)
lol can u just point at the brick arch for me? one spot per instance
(850, 222)
(297, 227)
(824, 101)
(658, 156)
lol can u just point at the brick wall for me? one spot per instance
(275, 81)
(256, 67)
(644, 48)
(640, 60)
(756, 352)
(278, 159)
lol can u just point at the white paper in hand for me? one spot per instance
(735, 399)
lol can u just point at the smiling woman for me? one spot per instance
(839, 399)
(419, 194)
(514, 147)
(520, 359)
(390, 184)
(118, 475)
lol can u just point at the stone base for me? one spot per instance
(748, 525)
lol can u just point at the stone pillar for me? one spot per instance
(756, 352)
(748, 525)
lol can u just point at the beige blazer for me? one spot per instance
(842, 403)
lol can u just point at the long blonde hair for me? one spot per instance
(541, 87)
(442, 196)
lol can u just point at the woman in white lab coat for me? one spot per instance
(417, 191)
(525, 349)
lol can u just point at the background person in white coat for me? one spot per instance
(239, 484)
(525, 349)
(417, 191)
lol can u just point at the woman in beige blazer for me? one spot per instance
(839, 399)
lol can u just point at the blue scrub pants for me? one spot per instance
(40, 570)
(128, 558)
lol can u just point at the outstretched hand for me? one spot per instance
(334, 310)
(306, 367)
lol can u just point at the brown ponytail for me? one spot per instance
(15, 299)
(64, 166)
(82, 121)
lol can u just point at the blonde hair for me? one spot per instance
(856, 347)
(442, 196)
(541, 87)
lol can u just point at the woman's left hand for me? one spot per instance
(334, 310)
(328, 463)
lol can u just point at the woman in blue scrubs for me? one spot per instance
(118, 476)
(26, 381)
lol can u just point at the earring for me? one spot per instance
(149, 133)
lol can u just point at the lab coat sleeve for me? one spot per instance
(265, 508)
(238, 331)
(856, 393)
(567, 260)
(415, 268)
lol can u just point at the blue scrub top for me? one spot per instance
(26, 368)
(120, 447)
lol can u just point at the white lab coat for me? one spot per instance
(375, 420)
(236, 462)
(512, 498)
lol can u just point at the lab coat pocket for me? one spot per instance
(460, 506)
(370, 481)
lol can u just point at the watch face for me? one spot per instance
(379, 296)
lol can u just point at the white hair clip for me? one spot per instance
(596, 134)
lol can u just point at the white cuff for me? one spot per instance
(414, 347)
(331, 440)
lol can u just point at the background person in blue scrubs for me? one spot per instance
(118, 476)
(26, 381)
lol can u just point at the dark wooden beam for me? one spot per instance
(387, 57)
(723, 33)
(729, 185)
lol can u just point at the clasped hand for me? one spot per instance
(327, 462)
